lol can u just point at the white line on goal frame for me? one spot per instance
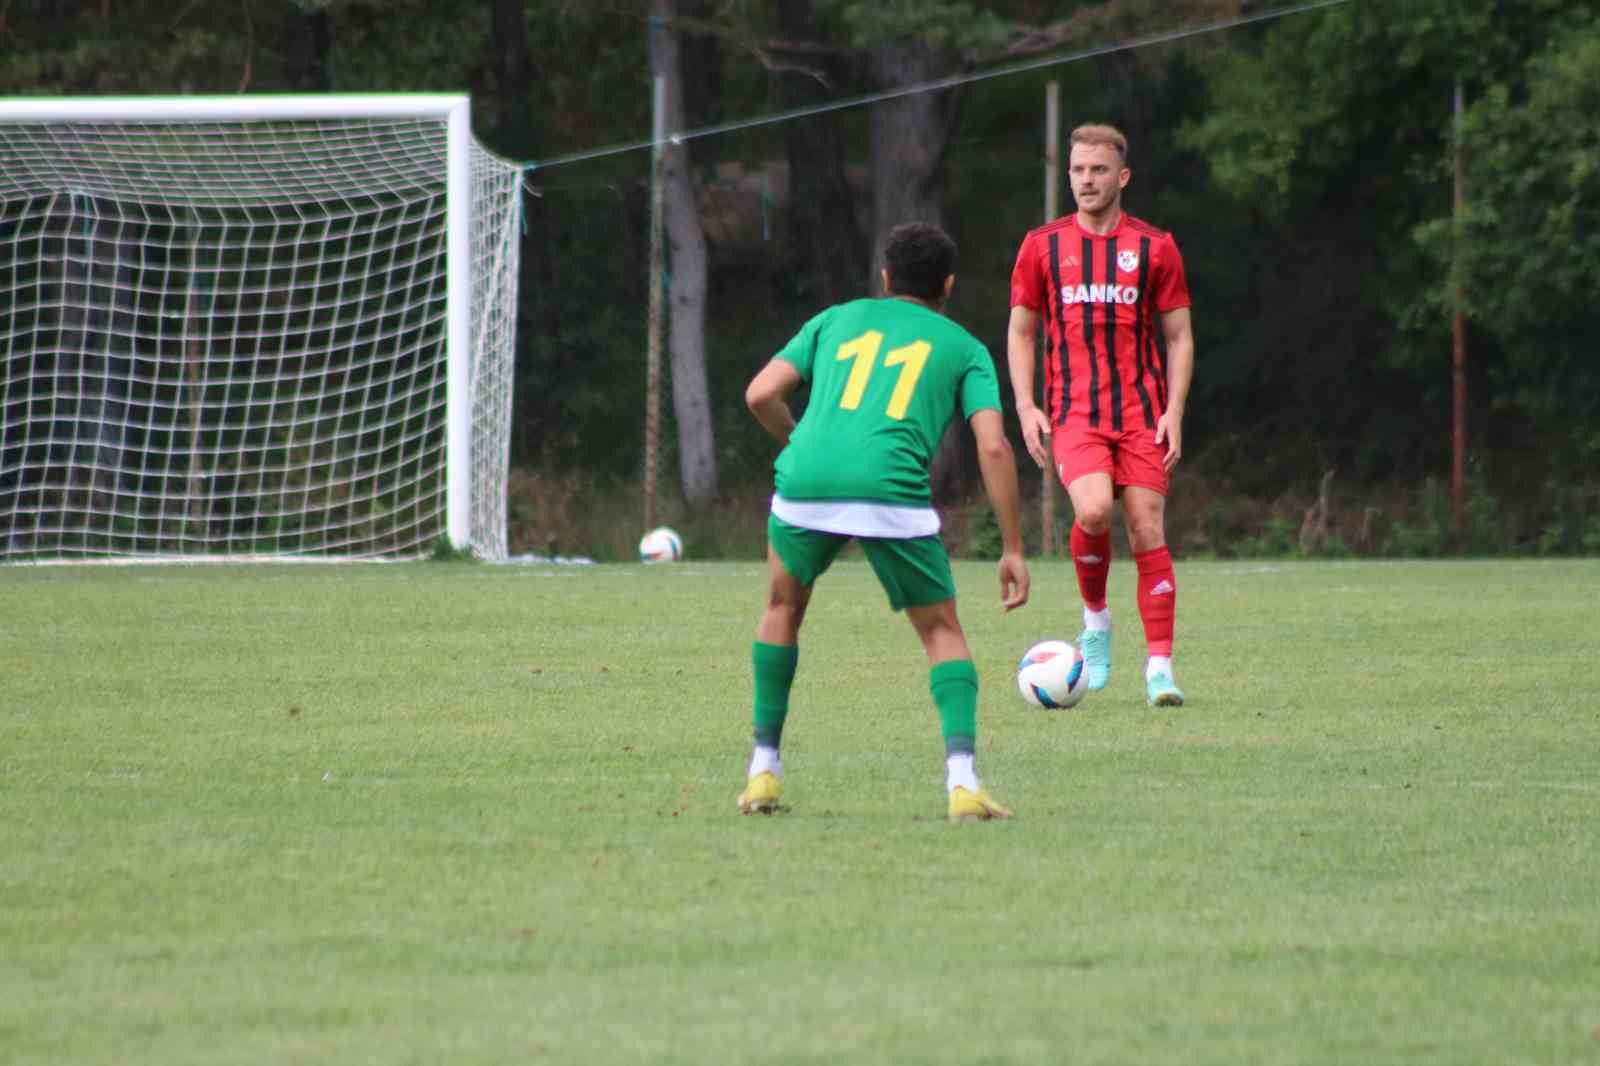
(456, 111)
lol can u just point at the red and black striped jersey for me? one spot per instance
(1098, 295)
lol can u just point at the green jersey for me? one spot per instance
(886, 377)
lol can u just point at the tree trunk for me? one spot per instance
(310, 44)
(513, 66)
(686, 250)
(197, 307)
(910, 135)
(91, 277)
(520, 135)
(824, 224)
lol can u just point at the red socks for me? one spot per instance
(1158, 595)
(1091, 555)
(1158, 588)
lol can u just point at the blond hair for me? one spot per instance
(1098, 134)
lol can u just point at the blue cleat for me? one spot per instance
(1159, 691)
(1095, 644)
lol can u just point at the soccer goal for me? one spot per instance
(253, 327)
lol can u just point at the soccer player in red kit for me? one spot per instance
(1112, 424)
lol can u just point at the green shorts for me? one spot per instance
(915, 572)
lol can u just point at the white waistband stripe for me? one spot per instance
(857, 518)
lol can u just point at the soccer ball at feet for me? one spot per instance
(1051, 675)
(660, 545)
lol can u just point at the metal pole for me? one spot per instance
(1052, 167)
(1458, 443)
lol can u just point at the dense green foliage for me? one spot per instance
(484, 815)
(1336, 134)
(1305, 165)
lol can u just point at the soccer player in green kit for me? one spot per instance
(886, 377)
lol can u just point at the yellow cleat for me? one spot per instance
(979, 806)
(760, 795)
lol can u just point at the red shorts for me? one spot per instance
(1131, 457)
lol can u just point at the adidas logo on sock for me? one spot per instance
(1089, 560)
(1162, 588)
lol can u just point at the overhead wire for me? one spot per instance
(1003, 71)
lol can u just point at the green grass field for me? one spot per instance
(452, 813)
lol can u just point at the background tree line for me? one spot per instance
(1305, 164)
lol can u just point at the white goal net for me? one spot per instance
(253, 327)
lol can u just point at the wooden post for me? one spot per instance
(1458, 441)
(652, 387)
(1052, 167)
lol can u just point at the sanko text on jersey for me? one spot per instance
(1099, 294)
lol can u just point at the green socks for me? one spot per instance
(954, 684)
(773, 666)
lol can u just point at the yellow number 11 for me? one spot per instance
(864, 350)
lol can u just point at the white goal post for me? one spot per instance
(254, 327)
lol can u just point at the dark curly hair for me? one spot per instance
(919, 256)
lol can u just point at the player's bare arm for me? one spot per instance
(767, 396)
(1175, 326)
(998, 465)
(1022, 353)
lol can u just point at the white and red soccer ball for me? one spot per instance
(1051, 675)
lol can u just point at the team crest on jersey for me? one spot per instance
(1127, 261)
